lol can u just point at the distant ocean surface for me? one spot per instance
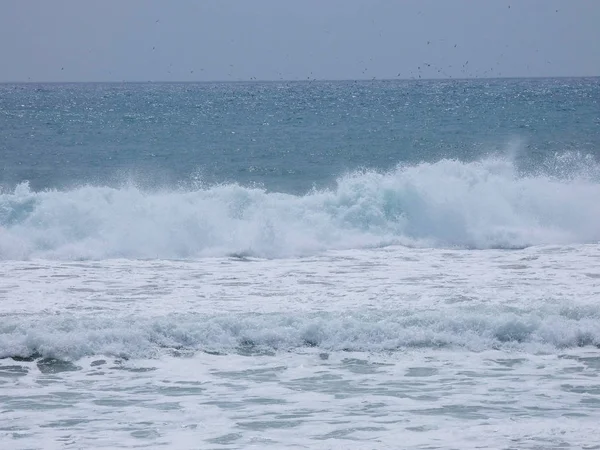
(356, 265)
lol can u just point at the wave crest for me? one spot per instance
(483, 204)
(67, 337)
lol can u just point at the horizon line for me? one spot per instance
(308, 81)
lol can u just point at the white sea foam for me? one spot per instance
(69, 337)
(353, 345)
(483, 204)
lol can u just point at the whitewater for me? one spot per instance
(482, 204)
(368, 270)
(417, 299)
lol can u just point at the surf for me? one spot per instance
(482, 204)
(69, 338)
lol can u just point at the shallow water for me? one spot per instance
(349, 348)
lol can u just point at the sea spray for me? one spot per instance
(481, 204)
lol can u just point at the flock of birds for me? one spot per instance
(421, 72)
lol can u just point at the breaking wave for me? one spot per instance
(483, 204)
(70, 337)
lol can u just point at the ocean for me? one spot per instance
(318, 265)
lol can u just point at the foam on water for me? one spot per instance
(483, 204)
(69, 337)
(386, 325)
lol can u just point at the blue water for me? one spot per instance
(291, 169)
(285, 137)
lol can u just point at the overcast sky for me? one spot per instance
(197, 40)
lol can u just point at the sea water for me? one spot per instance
(357, 265)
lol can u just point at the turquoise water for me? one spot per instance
(286, 137)
(292, 169)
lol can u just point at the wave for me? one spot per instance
(482, 204)
(69, 338)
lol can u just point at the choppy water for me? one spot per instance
(325, 265)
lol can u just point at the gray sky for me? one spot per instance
(197, 40)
